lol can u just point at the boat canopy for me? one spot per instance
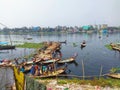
(2, 43)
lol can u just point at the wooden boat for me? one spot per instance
(64, 41)
(31, 62)
(51, 74)
(83, 45)
(114, 75)
(68, 60)
(50, 61)
(115, 46)
(5, 46)
(29, 38)
(71, 59)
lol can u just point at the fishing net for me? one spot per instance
(32, 84)
(6, 78)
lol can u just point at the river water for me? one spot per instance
(94, 56)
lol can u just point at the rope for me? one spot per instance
(83, 76)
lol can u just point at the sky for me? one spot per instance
(44, 13)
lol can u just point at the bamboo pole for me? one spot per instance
(83, 70)
(9, 33)
(10, 39)
(55, 71)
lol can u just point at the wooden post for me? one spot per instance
(10, 39)
(55, 71)
(9, 32)
(100, 71)
(83, 70)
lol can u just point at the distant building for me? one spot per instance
(103, 26)
(87, 27)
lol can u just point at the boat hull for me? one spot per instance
(51, 74)
(114, 75)
(7, 47)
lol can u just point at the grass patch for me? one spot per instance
(108, 46)
(30, 45)
(101, 82)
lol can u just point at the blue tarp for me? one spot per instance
(2, 43)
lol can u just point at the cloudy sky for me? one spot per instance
(19, 13)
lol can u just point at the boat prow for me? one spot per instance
(114, 75)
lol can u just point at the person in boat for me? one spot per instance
(40, 70)
(37, 73)
(60, 54)
(53, 54)
(32, 71)
(34, 60)
(50, 68)
(22, 68)
(44, 69)
(16, 61)
(84, 42)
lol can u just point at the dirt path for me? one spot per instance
(52, 85)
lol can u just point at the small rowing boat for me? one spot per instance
(64, 41)
(68, 60)
(83, 45)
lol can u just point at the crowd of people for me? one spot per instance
(37, 70)
(41, 70)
